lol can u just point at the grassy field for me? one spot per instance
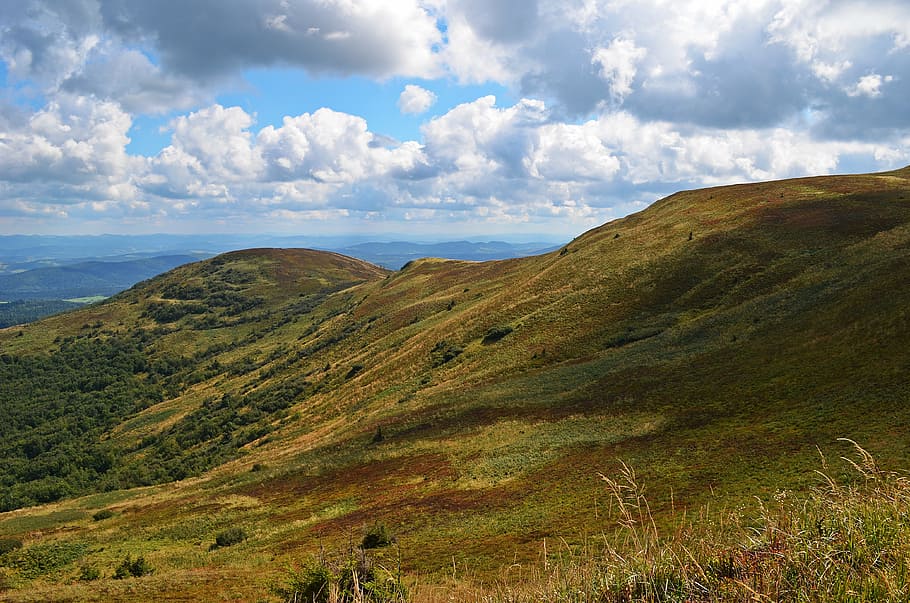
(488, 413)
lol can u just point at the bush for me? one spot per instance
(352, 578)
(443, 352)
(9, 544)
(310, 583)
(377, 537)
(103, 514)
(494, 334)
(229, 537)
(359, 579)
(135, 568)
(87, 573)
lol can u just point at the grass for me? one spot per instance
(841, 542)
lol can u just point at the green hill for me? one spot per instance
(714, 342)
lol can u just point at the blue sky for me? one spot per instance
(438, 118)
(272, 94)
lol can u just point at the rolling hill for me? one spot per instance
(714, 342)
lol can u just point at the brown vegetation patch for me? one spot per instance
(339, 482)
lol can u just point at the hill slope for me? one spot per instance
(713, 341)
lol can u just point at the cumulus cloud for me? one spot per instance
(209, 149)
(137, 84)
(414, 99)
(620, 102)
(478, 161)
(331, 147)
(73, 140)
(171, 54)
(47, 42)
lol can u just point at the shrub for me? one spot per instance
(87, 573)
(9, 544)
(229, 537)
(353, 578)
(310, 583)
(443, 352)
(377, 537)
(359, 579)
(103, 514)
(132, 567)
(496, 333)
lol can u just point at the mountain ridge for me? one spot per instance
(85, 279)
(714, 340)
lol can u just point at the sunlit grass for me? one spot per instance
(841, 542)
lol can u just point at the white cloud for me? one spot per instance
(869, 85)
(470, 57)
(830, 72)
(621, 101)
(209, 149)
(137, 84)
(479, 137)
(569, 152)
(414, 99)
(72, 140)
(617, 65)
(331, 147)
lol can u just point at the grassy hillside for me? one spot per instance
(713, 342)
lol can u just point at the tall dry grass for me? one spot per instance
(845, 542)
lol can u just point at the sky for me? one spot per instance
(430, 118)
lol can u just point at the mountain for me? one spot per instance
(714, 342)
(44, 275)
(26, 252)
(395, 254)
(85, 279)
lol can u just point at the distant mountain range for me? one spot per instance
(394, 255)
(26, 252)
(64, 268)
(85, 279)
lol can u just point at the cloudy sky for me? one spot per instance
(430, 117)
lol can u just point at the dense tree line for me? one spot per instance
(24, 311)
(54, 409)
